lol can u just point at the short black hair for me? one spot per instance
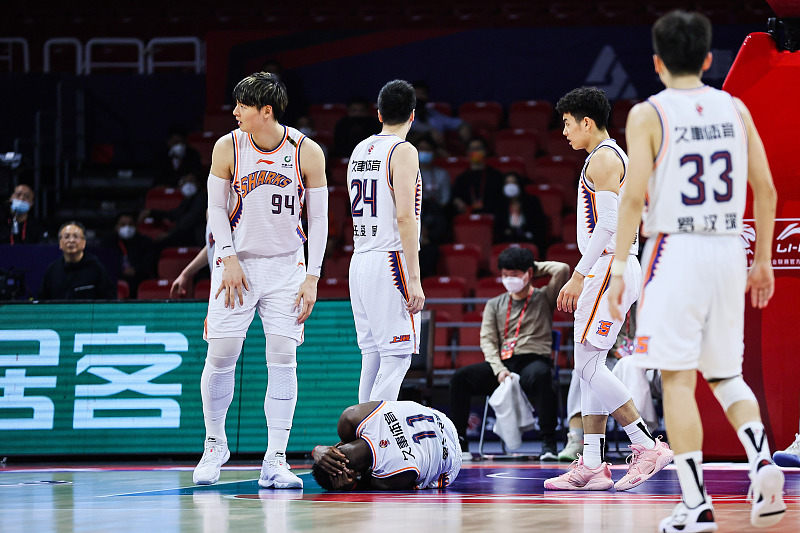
(322, 478)
(72, 223)
(586, 102)
(516, 258)
(260, 89)
(396, 102)
(682, 40)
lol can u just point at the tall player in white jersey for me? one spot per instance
(585, 114)
(389, 446)
(262, 176)
(385, 287)
(692, 151)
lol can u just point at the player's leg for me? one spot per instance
(216, 391)
(391, 372)
(467, 381)
(370, 364)
(370, 356)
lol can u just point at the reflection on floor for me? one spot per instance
(488, 495)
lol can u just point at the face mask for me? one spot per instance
(425, 158)
(511, 190)
(514, 285)
(20, 206)
(188, 189)
(126, 232)
(177, 150)
(477, 156)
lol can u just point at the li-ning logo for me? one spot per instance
(218, 262)
(267, 161)
(383, 443)
(400, 338)
(369, 150)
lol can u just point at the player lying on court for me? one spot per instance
(389, 446)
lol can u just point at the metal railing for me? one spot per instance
(8, 54)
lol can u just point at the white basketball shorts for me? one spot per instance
(378, 295)
(593, 323)
(691, 313)
(274, 283)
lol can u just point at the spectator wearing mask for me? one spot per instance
(76, 275)
(521, 219)
(19, 227)
(136, 252)
(479, 189)
(435, 180)
(178, 160)
(188, 218)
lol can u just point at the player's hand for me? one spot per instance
(501, 377)
(761, 284)
(614, 294)
(330, 459)
(416, 298)
(179, 286)
(306, 298)
(570, 292)
(233, 282)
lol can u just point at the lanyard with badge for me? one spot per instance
(508, 346)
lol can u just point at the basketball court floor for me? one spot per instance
(491, 495)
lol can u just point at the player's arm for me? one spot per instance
(558, 272)
(404, 171)
(643, 135)
(760, 279)
(605, 171)
(490, 341)
(181, 283)
(219, 183)
(312, 163)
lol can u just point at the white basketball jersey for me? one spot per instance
(699, 184)
(587, 206)
(267, 195)
(372, 195)
(409, 436)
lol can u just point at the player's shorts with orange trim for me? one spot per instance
(691, 312)
(593, 322)
(274, 283)
(378, 295)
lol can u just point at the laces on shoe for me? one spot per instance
(795, 446)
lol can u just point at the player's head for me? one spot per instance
(516, 259)
(396, 102)
(328, 482)
(682, 41)
(261, 89)
(586, 102)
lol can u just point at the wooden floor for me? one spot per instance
(487, 496)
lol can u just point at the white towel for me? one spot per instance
(513, 411)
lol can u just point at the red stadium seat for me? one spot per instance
(475, 229)
(569, 227)
(150, 228)
(325, 116)
(163, 198)
(497, 248)
(462, 260)
(488, 287)
(337, 174)
(530, 114)
(507, 164)
(620, 110)
(517, 142)
(557, 170)
(180, 251)
(339, 217)
(557, 144)
(482, 115)
(174, 260)
(565, 253)
(155, 289)
(552, 200)
(123, 290)
(436, 287)
(204, 143)
(442, 359)
(442, 107)
(329, 288)
(453, 165)
(470, 337)
(202, 289)
(219, 121)
(338, 265)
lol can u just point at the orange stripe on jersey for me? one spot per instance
(371, 450)
(649, 274)
(235, 155)
(300, 185)
(662, 116)
(359, 429)
(602, 290)
(260, 151)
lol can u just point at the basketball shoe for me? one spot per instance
(766, 493)
(685, 519)
(790, 456)
(275, 474)
(215, 455)
(644, 464)
(573, 448)
(581, 477)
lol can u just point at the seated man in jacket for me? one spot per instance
(389, 446)
(516, 336)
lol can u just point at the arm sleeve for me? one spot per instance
(218, 191)
(490, 338)
(607, 205)
(317, 213)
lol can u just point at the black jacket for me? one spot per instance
(85, 280)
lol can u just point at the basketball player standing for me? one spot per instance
(693, 149)
(262, 175)
(385, 287)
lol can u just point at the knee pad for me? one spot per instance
(223, 353)
(220, 381)
(282, 381)
(730, 391)
(281, 350)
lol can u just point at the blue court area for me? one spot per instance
(486, 496)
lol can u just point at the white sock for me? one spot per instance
(754, 440)
(594, 445)
(638, 433)
(690, 475)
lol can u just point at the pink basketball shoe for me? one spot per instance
(644, 464)
(581, 477)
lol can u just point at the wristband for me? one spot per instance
(618, 267)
